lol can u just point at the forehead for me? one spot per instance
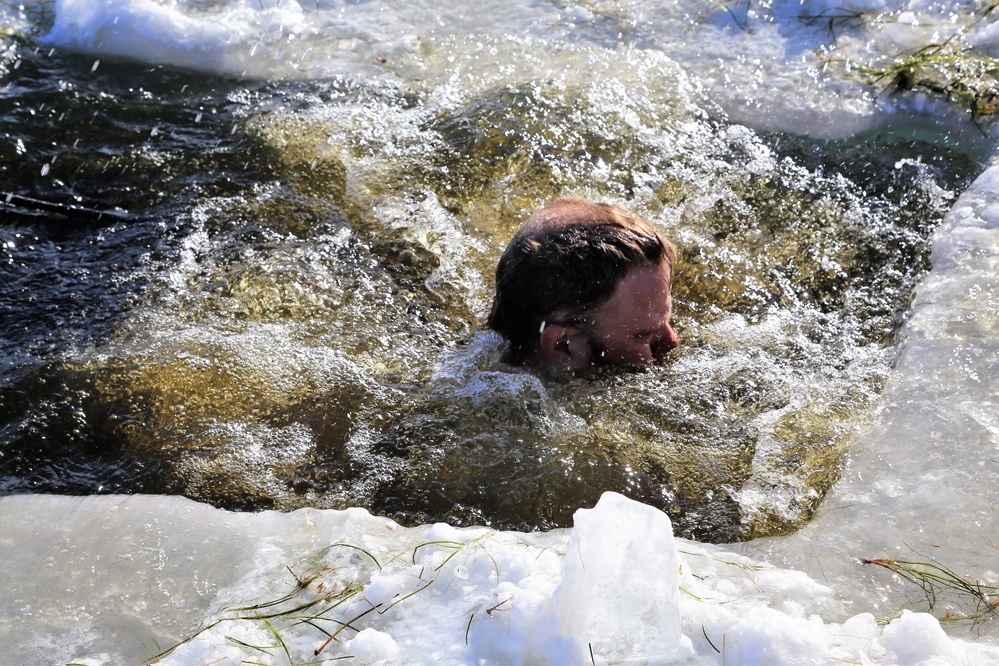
(641, 299)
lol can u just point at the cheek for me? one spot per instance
(644, 354)
(627, 352)
(580, 354)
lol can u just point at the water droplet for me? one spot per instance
(97, 63)
(45, 169)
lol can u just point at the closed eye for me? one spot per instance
(648, 333)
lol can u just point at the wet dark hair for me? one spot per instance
(568, 258)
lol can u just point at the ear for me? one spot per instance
(564, 346)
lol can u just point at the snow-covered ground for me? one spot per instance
(109, 580)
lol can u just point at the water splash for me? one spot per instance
(308, 332)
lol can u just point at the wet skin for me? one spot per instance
(631, 328)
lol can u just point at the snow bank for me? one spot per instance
(112, 579)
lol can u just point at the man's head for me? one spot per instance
(581, 283)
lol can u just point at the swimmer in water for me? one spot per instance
(583, 283)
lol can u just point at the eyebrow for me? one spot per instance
(642, 334)
(654, 329)
(650, 331)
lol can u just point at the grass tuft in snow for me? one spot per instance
(980, 600)
(324, 601)
(961, 74)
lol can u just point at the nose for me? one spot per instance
(666, 342)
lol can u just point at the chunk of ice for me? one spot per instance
(620, 590)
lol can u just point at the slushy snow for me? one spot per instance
(273, 587)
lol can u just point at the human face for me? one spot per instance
(632, 326)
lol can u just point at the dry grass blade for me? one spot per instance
(960, 74)
(935, 580)
(314, 600)
(344, 626)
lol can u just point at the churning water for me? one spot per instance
(285, 308)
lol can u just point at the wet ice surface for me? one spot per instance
(921, 482)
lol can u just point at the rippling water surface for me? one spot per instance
(285, 308)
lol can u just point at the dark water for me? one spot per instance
(285, 308)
